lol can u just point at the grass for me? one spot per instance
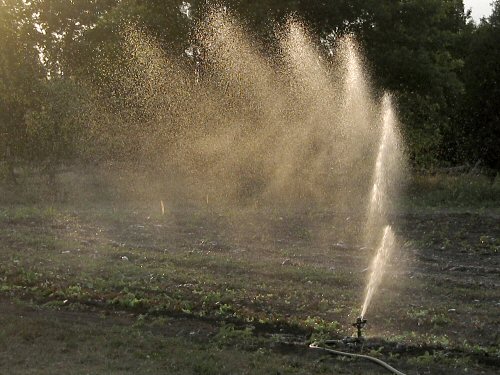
(453, 192)
(106, 346)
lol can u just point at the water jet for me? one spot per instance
(296, 127)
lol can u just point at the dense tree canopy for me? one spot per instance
(480, 112)
(443, 69)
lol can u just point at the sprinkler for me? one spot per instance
(359, 324)
(352, 341)
(356, 343)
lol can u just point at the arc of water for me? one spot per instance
(384, 174)
(377, 266)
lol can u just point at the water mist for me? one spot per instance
(240, 125)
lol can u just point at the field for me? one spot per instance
(115, 288)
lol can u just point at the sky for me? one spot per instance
(480, 8)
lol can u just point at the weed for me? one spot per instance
(423, 360)
(440, 320)
(128, 300)
(237, 287)
(229, 335)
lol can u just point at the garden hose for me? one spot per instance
(376, 360)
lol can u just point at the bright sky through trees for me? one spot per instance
(480, 8)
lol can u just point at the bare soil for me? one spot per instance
(114, 289)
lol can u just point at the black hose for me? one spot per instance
(375, 360)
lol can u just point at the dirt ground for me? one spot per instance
(125, 290)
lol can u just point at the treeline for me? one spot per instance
(56, 54)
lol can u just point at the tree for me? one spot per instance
(427, 52)
(55, 127)
(480, 135)
(100, 46)
(414, 46)
(415, 49)
(61, 25)
(19, 78)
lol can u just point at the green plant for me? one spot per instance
(229, 335)
(440, 320)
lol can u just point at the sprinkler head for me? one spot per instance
(359, 324)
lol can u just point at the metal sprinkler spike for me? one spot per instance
(359, 324)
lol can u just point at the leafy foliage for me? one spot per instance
(442, 68)
(480, 132)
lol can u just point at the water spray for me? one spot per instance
(272, 127)
(385, 166)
